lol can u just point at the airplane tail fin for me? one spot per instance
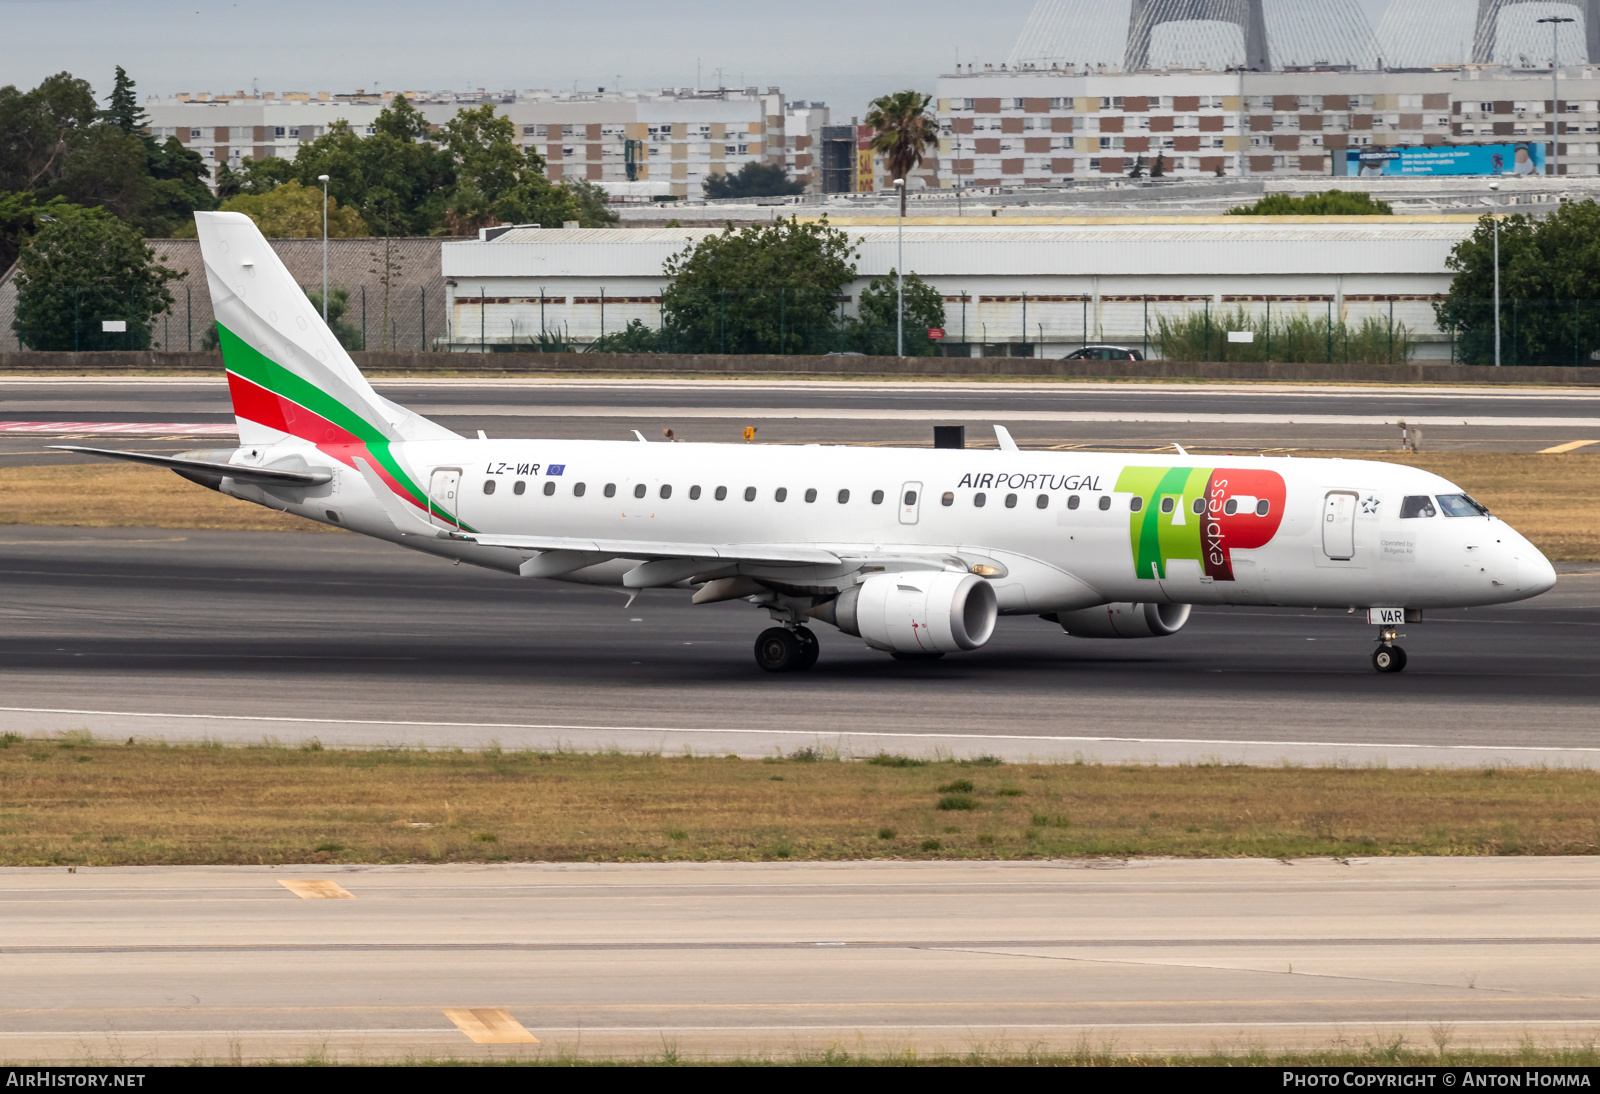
(287, 373)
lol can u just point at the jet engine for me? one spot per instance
(1124, 620)
(916, 612)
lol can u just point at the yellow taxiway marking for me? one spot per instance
(489, 1026)
(1568, 447)
(318, 890)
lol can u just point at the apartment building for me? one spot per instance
(675, 137)
(1489, 105)
(1045, 127)
(803, 126)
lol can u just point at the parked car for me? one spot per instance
(1105, 353)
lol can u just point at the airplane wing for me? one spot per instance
(207, 468)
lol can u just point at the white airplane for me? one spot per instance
(915, 551)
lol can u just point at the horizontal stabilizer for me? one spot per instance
(264, 475)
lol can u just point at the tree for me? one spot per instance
(1138, 168)
(291, 211)
(497, 182)
(39, 127)
(594, 209)
(767, 289)
(1159, 168)
(122, 108)
(1329, 203)
(903, 131)
(395, 179)
(20, 216)
(82, 269)
(1548, 270)
(254, 177)
(754, 180)
(875, 325)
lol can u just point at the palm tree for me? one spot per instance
(904, 130)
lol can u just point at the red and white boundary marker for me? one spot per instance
(142, 429)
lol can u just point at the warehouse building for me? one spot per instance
(1012, 286)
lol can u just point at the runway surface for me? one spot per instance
(148, 965)
(189, 635)
(1245, 416)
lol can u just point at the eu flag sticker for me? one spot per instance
(555, 469)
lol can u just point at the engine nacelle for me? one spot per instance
(1124, 620)
(920, 611)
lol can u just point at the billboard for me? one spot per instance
(864, 171)
(1526, 158)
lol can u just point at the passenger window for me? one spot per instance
(1105, 502)
(638, 491)
(749, 493)
(811, 495)
(577, 489)
(1168, 505)
(1198, 507)
(1459, 505)
(1417, 505)
(877, 497)
(1043, 501)
(1011, 501)
(1135, 504)
(1072, 501)
(911, 497)
(549, 489)
(721, 494)
(611, 490)
(666, 492)
(980, 500)
(844, 497)
(694, 493)
(1231, 506)
(488, 486)
(519, 488)
(781, 494)
(946, 499)
(1263, 507)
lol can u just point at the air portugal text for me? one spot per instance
(1021, 481)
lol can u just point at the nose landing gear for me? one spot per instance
(1388, 657)
(787, 649)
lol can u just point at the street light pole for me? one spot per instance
(1555, 22)
(324, 180)
(900, 274)
(1494, 217)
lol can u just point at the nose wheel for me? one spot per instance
(1388, 657)
(787, 649)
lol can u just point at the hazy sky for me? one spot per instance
(833, 50)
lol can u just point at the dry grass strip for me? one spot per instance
(72, 801)
(1552, 499)
(111, 495)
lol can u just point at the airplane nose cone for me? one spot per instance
(1535, 575)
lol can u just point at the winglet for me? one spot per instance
(1003, 435)
(405, 520)
(636, 433)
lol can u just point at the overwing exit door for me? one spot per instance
(444, 489)
(910, 502)
(1339, 524)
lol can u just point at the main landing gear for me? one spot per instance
(1388, 657)
(787, 649)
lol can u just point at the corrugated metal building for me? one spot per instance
(1014, 285)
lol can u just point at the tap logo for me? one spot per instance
(1199, 513)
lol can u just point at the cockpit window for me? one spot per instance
(1460, 505)
(1417, 505)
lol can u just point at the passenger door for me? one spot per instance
(910, 502)
(444, 490)
(1339, 524)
